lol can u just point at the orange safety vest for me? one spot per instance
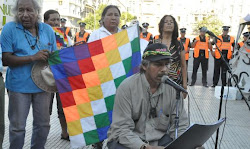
(67, 31)
(185, 47)
(156, 36)
(224, 46)
(248, 50)
(147, 37)
(241, 44)
(201, 45)
(84, 38)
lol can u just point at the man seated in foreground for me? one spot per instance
(144, 109)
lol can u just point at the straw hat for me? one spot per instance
(43, 77)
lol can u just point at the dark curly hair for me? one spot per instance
(175, 31)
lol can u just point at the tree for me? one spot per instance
(92, 20)
(126, 17)
(212, 23)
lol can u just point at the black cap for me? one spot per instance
(183, 30)
(145, 24)
(156, 52)
(124, 26)
(225, 28)
(63, 20)
(82, 24)
(246, 34)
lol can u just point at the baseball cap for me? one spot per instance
(155, 52)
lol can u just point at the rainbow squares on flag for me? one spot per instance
(87, 77)
(61, 38)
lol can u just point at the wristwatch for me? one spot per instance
(144, 146)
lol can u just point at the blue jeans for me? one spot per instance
(19, 105)
(2, 91)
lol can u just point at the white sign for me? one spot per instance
(5, 11)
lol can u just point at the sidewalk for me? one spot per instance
(204, 109)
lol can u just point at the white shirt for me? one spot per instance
(100, 33)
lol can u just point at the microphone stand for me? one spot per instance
(178, 99)
(229, 69)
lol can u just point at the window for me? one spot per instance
(196, 19)
(179, 18)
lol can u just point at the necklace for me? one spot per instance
(29, 41)
(153, 111)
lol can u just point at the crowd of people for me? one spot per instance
(144, 108)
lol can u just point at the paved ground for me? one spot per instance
(204, 109)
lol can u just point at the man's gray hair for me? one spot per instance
(36, 7)
(144, 62)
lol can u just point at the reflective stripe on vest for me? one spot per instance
(241, 43)
(224, 46)
(147, 37)
(185, 47)
(84, 38)
(201, 45)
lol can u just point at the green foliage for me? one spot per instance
(126, 17)
(92, 20)
(212, 23)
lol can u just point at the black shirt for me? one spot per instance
(202, 39)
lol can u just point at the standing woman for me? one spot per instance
(110, 21)
(168, 30)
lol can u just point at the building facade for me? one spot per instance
(188, 13)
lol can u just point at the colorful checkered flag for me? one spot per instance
(87, 77)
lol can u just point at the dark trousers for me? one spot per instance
(220, 67)
(59, 105)
(204, 66)
(164, 141)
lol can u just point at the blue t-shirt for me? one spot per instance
(1, 64)
(17, 40)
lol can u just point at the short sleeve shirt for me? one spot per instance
(15, 39)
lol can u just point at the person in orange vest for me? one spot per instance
(82, 36)
(186, 43)
(245, 36)
(67, 30)
(145, 34)
(226, 49)
(201, 44)
(156, 37)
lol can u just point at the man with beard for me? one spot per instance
(144, 108)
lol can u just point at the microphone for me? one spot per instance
(211, 33)
(167, 80)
